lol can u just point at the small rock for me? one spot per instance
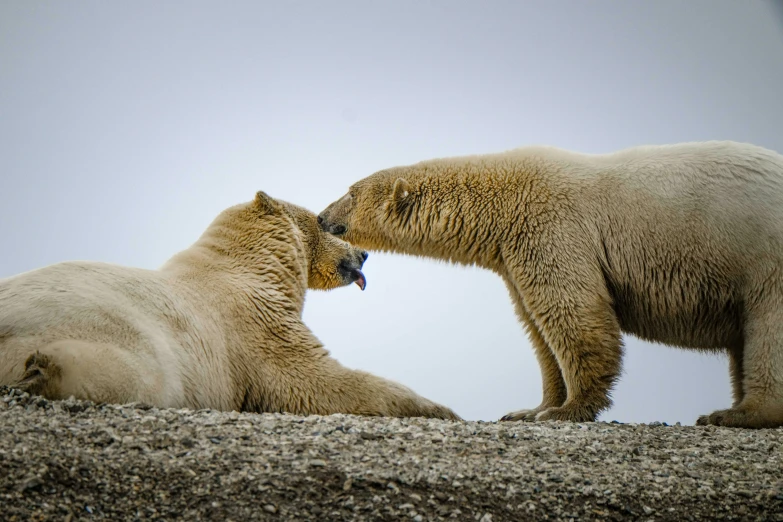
(75, 407)
(269, 508)
(139, 406)
(317, 463)
(30, 483)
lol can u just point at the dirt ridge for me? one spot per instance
(74, 460)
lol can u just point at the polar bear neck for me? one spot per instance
(265, 264)
(464, 212)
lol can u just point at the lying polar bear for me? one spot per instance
(218, 326)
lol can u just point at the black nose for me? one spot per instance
(365, 255)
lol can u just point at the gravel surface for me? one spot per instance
(69, 460)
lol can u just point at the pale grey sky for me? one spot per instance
(126, 127)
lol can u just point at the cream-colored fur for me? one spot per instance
(679, 244)
(218, 326)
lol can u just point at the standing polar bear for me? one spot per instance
(218, 326)
(679, 244)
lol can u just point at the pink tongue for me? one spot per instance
(361, 281)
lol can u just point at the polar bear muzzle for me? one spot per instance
(350, 269)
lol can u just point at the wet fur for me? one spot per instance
(218, 326)
(677, 244)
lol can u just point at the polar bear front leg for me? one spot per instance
(379, 396)
(554, 388)
(572, 310)
(306, 380)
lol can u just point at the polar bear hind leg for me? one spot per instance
(99, 372)
(759, 404)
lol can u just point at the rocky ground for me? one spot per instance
(76, 460)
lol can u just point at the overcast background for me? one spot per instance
(126, 127)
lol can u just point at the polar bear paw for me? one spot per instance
(40, 371)
(743, 418)
(571, 413)
(523, 415)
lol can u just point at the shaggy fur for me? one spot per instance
(218, 326)
(678, 244)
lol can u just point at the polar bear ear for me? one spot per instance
(401, 191)
(265, 203)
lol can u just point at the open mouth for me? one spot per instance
(352, 274)
(359, 278)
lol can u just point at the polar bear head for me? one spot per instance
(380, 212)
(331, 262)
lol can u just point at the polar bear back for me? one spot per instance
(142, 311)
(726, 180)
(731, 192)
